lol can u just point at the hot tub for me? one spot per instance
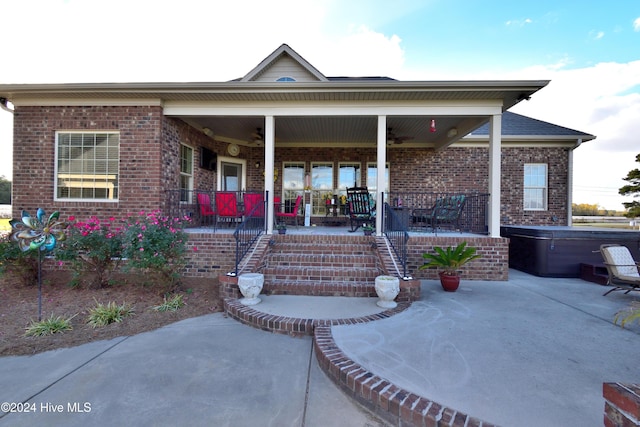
(558, 251)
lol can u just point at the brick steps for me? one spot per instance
(319, 288)
(322, 266)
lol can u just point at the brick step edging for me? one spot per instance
(294, 326)
(380, 396)
(318, 288)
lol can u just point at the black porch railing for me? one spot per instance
(395, 230)
(247, 232)
(249, 222)
(419, 211)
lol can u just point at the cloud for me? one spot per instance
(596, 35)
(603, 100)
(636, 24)
(361, 51)
(518, 22)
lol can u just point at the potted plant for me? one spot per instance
(449, 260)
(281, 227)
(368, 229)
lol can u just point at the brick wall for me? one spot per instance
(493, 264)
(34, 157)
(622, 405)
(149, 157)
(209, 255)
(513, 160)
(149, 163)
(456, 169)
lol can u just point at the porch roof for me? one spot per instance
(508, 92)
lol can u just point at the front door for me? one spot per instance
(231, 176)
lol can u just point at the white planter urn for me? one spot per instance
(387, 288)
(250, 285)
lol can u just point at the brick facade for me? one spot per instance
(149, 164)
(149, 157)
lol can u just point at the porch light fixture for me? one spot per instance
(452, 132)
(432, 128)
(207, 132)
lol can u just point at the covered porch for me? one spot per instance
(320, 172)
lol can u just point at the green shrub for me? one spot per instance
(24, 265)
(102, 315)
(49, 326)
(172, 304)
(156, 245)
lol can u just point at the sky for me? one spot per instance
(589, 51)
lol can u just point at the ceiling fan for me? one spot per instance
(392, 138)
(257, 136)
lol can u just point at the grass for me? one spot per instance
(102, 315)
(172, 304)
(605, 225)
(49, 326)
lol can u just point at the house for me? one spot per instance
(110, 148)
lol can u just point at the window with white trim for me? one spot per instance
(535, 186)
(348, 176)
(87, 166)
(292, 184)
(372, 179)
(321, 186)
(186, 173)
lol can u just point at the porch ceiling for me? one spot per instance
(408, 131)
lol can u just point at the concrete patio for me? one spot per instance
(528, 352)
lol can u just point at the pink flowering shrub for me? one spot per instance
(93, 250)
(155, 245)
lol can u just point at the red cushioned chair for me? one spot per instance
(206, 210)
(253, 208)
(293, 214)
(227, 207)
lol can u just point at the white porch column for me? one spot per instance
(570, 185)
(381, 162)
(269, 164)
(495, 150)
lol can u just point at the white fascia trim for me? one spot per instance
(77, 102)
(540, 142)
(435, 108)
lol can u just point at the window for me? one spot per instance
(87, 166)
(535, 186)
(186, 173)
(372, 177)
(348, 176)
(293, 176)
(322, 190)
(292, 184)
(286, 79)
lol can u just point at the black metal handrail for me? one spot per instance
(395, 229)
(247, 232)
